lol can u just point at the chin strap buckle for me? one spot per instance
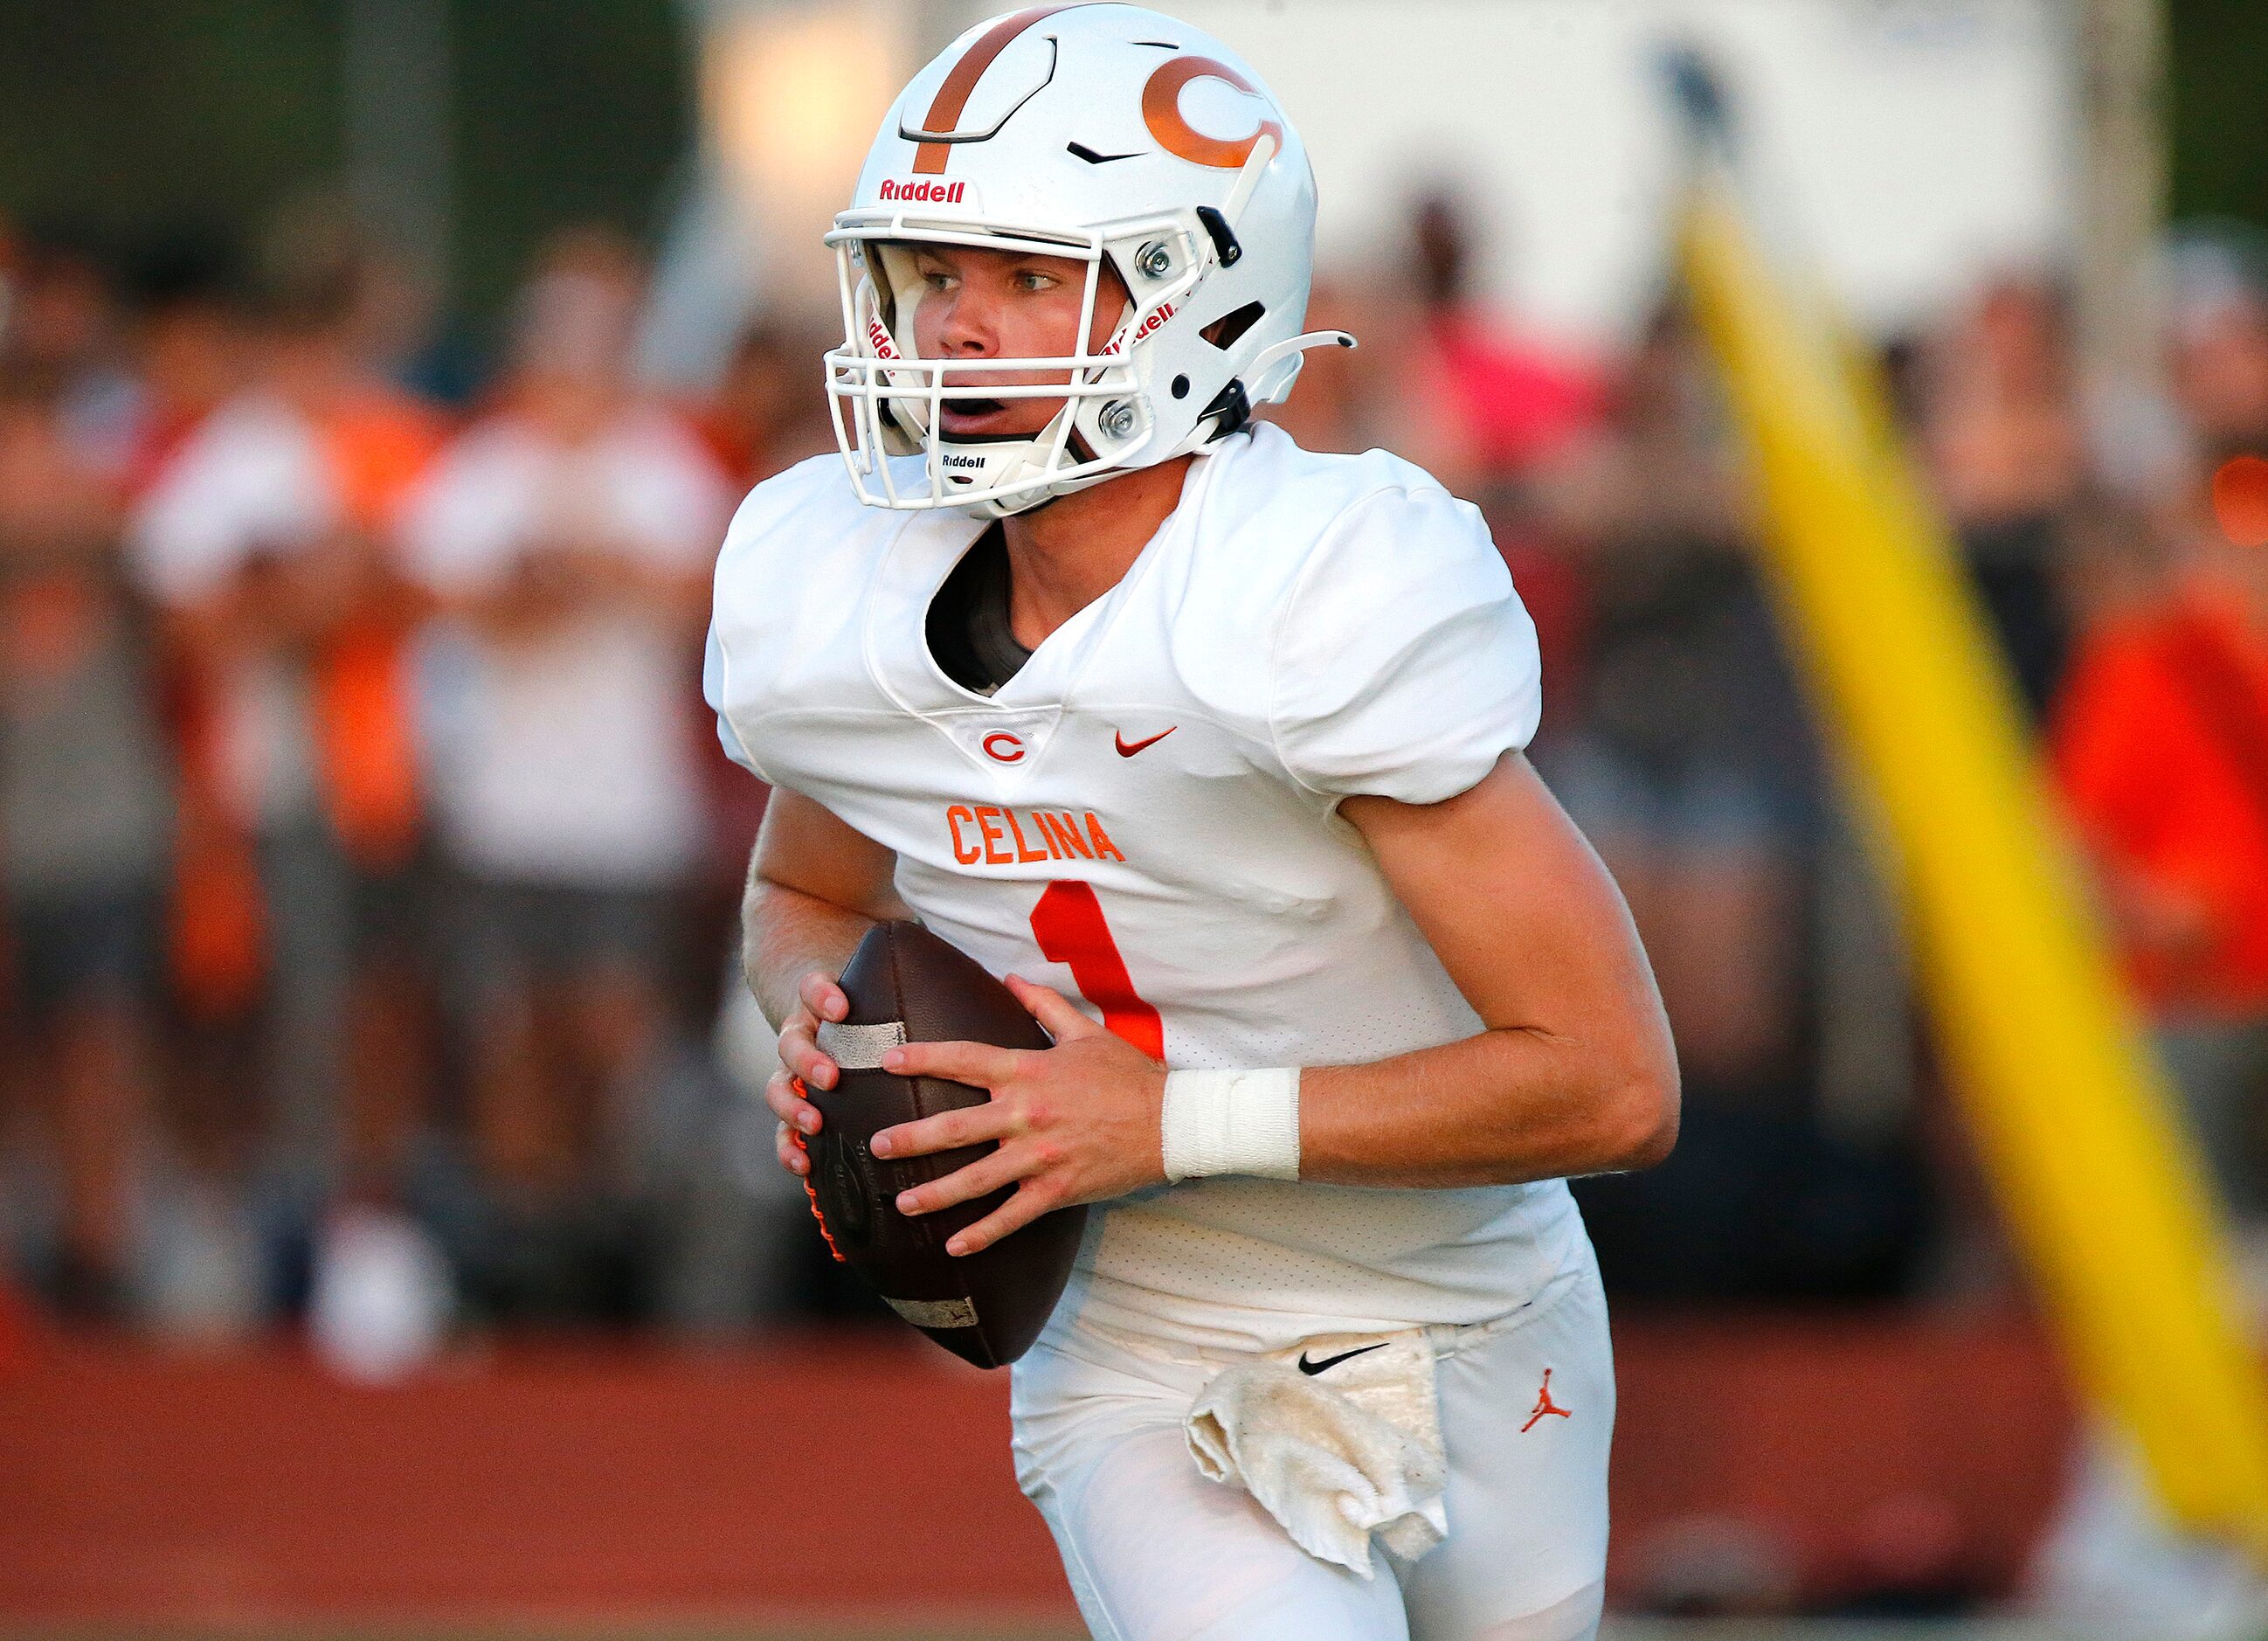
(1230, 408)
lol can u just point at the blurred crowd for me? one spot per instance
(370, 872)
(370, 869)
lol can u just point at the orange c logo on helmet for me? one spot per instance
(1002, 748)
(1161, 112)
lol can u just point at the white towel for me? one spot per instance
(1335, 1454)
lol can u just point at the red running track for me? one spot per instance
(822, 1479)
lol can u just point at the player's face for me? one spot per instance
(979, 304)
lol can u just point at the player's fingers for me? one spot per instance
(981, 1178)
(791, 1155)
(1052, 1010)
(798, 1051)
(786, 1097)
(979, 1065)
(822, 996)
(971, 1125)
(1027, 1204)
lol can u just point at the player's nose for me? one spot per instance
(971, 330)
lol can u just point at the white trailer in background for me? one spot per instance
(1919, 144)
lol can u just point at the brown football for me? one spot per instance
(906, 985)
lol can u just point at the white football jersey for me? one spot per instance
(1144, 818)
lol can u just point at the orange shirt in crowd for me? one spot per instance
(373, 445)
(2159, 783)
(365, 717)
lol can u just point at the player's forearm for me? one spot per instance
(785, 934)
(815, 886)
(1503, 1107)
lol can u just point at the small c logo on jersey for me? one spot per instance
(1128, 748)
(1002, 748)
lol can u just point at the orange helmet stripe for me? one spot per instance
(953, 96)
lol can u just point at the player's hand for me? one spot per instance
(818, 998)
(1076, 1124)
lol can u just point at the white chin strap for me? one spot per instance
(981, 465)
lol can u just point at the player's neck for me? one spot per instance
(1064, 557)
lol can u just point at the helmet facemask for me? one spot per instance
(887, 397)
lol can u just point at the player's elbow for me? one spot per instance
(1639, 1119)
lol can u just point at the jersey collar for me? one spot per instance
(1029, 706)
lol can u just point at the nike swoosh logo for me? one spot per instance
(1128, 748)
(1081, 151)
(1329, 1362)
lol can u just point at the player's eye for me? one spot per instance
(1031, 279)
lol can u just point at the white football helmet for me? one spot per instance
(1094, 132)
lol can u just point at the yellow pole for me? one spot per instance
(2105, 1194)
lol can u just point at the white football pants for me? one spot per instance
(1155, 1552)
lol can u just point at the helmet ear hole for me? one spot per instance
(1223, 332)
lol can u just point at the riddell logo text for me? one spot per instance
(1158, 316)
(883, 346)
(920, 191)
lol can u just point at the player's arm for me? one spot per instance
(815, 886)
(1575, 1073)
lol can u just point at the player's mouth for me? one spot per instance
(977, 415)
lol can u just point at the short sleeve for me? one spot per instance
(1404, 664)
(712, 690)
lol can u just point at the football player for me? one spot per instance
(1216, 746)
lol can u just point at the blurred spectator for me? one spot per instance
(263, 540)
(2002, 432)
(83, 835)
(568, 540)
(188, 345)
(2161, 743)
(1479, 405)
(62, 324)
(2219, 342)
(768, 412)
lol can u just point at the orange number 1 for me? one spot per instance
(1068, 921)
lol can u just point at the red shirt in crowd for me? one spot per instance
(2170, 786)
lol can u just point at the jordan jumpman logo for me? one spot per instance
(1543, 1405)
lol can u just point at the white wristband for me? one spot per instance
(1232, 1122)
